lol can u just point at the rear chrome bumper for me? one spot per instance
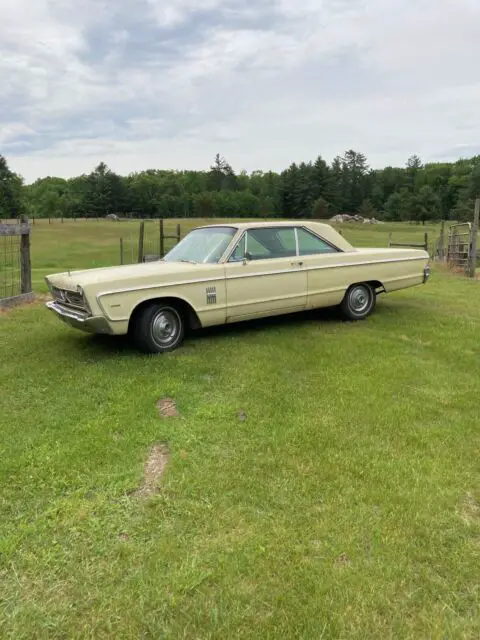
(79, 320)
(426, 273)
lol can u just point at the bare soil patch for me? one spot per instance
(24, 300)
(470, 509)
(343, 560)
(167, 408)
(154, 467)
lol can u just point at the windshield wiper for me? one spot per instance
(189, 261)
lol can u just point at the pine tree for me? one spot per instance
(11, 194)
(354, 169)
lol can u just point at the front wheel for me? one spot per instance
(359, 301)
(158, 328)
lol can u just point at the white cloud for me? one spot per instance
(171, 12)
(385, 77)
(12, 130)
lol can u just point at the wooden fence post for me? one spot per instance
(426, 241)
(178, 232)
(390, 239)
(25, 264)
(121, 250)
(441, 242)
(141, 240)
(162, 240)
(473, 243)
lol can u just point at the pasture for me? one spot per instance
(322, 481)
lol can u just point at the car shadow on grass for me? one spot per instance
(100, 346)
(260, 325)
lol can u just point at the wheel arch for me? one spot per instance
(377, 286)
(192, 320)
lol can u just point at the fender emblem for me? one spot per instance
(211, 295)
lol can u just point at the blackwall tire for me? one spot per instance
(158, 328)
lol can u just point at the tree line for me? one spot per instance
(420, 192)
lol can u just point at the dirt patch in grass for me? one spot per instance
(167, 408)
(342, 561)
(415, 341)
(470, 509)
(38, 300)
(154, 467)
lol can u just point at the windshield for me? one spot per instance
(202, 245)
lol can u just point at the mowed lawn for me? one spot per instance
(323, 479)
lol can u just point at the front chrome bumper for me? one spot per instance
(426, 273)
(78, 320)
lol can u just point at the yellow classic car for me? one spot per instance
(232, 272)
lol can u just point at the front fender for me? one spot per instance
(207, 299)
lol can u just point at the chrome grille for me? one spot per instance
(68, 298)
(57, 293)
(74, 299)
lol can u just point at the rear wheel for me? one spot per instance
(158, 328)
(359, 301)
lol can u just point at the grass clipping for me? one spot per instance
(154, 467)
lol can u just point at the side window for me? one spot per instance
(271, 242)
(239, 253)
(287, 238)
(309, 244)
(255, 247)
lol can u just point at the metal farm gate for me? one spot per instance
(459, 245)
(460, 248)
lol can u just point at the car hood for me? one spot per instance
(126, 273)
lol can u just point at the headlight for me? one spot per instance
(81, 292)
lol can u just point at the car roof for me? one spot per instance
(325, 231)
(270, 223)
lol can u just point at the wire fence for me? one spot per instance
(150, 244)
(152, 248)
(10, 267)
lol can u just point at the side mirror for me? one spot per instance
(247, 257)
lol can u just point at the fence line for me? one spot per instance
(33, 220)
(149, 245)
(15, 264)
(415, 245)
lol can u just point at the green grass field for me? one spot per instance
(346, 504)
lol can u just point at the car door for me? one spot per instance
(264, 275)
(326, 282)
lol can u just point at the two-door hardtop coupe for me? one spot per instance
(231, 272)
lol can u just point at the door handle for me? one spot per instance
(297, 264)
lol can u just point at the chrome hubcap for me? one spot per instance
(165, 327)
(359, 299)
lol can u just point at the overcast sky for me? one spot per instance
(169, 83)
